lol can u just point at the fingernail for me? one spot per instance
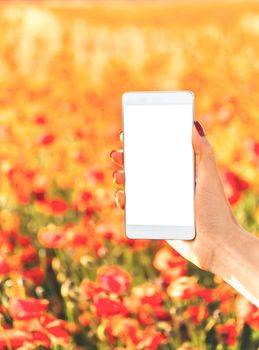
(112, 153)
(114, 173)
(199, 128)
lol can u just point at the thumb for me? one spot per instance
(201, 144)
(206, 166)
(207, 171)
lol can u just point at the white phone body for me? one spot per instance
(159, 165)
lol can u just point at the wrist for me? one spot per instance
(231, 252)
(226, 250)
(236, 262)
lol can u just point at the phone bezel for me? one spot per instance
(151, 231)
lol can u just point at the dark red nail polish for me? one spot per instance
(199, 128)
(112, 153)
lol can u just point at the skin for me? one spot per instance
(221, 246)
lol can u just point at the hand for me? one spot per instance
(215, 223)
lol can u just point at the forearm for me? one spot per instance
(237, 262)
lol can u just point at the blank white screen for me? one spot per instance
(159, 165)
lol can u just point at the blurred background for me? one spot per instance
(69, 278)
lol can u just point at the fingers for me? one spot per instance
(120, 199)
(117, 157)
(118, 178)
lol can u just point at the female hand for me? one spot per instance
(221, 246)
(213, 216)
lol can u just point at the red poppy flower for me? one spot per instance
(196, 313)
(97, 175)
(234, 186)
(35, 274)
(16, 338)
(186, 288)
(28, 255)
(161, 313)
(170, 263)
(25, 309)
(78, 239)
(78, 236)
(236, 181)
(109, 334)
(90, 211)
(52, 237)
(46, 139)
(253, 317)
(22, 240)
(54, 327)
(57, 206)
(40, 119)
(124, 328)
(148, 314)
(4, 266)
(157, 340)
(256, 148)
(166, 258)
(82, 200)
(40, 338)
(148, 293)
(145, 315)
(228, 332)
(113, 279)
(151, 339)
(106, 307)
(89, 289)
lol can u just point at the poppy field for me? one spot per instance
(69, 277)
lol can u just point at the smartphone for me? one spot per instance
(159, 164)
